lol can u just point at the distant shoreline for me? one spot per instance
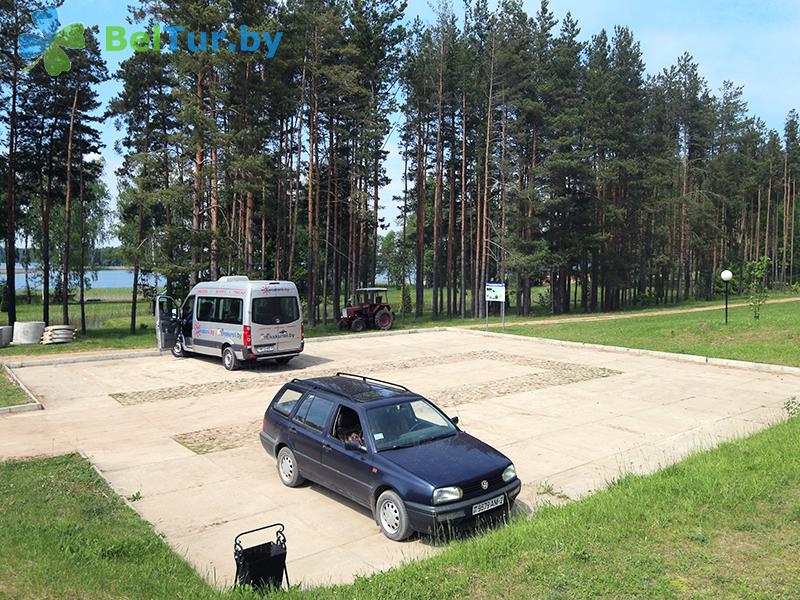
(117, 268)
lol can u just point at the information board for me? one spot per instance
(495, 292)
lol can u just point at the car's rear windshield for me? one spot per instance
(408, 423)
(275, 310)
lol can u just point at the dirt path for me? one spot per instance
(633, 315)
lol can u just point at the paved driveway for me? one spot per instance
(183, 433)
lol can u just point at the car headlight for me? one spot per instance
(510, 473)
(446, 494)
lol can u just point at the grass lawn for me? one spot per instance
(65, 534)
(722, 524)
(411, 322)
(107, 322)
(10, 393)
(775, 338)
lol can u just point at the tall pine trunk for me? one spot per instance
(214, 212)
(484, 265)
(199, 157)
(136, 268)
(312, 146)
(463, 292)
(82, 233)
(420, 274)
(11, 231)
(437, 195)
(67, 216)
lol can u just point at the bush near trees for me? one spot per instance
(757, 272)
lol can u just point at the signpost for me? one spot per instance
(496, 292)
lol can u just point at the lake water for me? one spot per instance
(103, 278)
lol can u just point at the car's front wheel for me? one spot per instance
(287, 468)
(392, 516)
(177, 349)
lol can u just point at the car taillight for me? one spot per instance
(247, 336)
(302, 331)
(264, 423)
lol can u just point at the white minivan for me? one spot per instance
(235, 318)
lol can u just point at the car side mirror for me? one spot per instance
(353, 446)
(454, 420)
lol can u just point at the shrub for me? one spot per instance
(756, 277)
(405, 303)
(545, 300)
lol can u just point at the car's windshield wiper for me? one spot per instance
(400, 446)
(419, 442)
(439, 437)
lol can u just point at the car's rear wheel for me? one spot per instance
(358, 325)
(229, 360)
(287, 468)
(392, 516)
(384, 319)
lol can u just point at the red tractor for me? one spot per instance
(368, 310)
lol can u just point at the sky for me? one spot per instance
(752, 43)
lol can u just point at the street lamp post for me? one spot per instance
(726, 276)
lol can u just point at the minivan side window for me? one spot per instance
(315, 412)
(206, 307)
(229, 311)
(286, 403)
(220, 310)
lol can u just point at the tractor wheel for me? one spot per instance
(344, 324)
(384, 319)
(358, 324)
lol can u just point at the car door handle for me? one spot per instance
(293, 429)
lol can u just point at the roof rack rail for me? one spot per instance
(364, 378)
(316, 385)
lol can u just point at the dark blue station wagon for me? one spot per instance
(388, 449)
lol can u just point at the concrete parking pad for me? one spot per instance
(181, 435)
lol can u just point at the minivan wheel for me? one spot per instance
(392, 516)
(287, 468)
(229, 360)
(177, 350)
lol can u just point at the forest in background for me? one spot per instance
(529, 156)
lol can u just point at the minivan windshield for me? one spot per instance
(406, 424)
(275, 310)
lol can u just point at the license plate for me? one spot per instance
(488, 505)
(267, 348)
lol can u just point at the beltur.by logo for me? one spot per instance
(48, 45)
(50, 42)
(117, 39)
